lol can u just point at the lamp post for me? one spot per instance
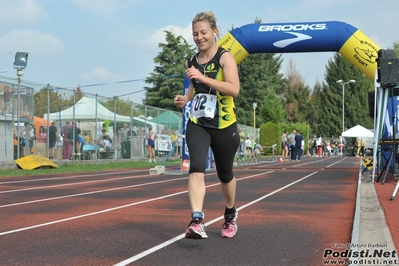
(254, 105)
(21, 60)
(343, 107)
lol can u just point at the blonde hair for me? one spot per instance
(206, 16)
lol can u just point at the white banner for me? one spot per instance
(164, 142)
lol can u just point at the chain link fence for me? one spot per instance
(105, 127)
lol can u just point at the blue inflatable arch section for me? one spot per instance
(297, 37)
(325, 36)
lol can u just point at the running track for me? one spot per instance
(288, 214)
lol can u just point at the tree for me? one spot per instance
(296, 94)
(41, 101)
(294, 78)
(356, 97)
(396, 48)
(122, 106)
(258, 73)
(167, 78)
(272, 109)
(312, 109)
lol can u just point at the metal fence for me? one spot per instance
(16, 109)
(16, 100)
(123, 122)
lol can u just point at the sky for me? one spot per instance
(107, 47)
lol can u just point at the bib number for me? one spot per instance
(204, 105)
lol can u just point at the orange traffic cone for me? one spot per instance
(186, 165)
(281, 159)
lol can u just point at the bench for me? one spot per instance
(89, 150)
(106, 154)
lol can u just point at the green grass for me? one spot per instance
(79, 167)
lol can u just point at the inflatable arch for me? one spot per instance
(299, 37)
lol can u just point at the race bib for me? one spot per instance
(204, 105)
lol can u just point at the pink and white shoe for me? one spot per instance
(229, 228)
(196, 229)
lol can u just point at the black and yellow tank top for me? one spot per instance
(225, 113)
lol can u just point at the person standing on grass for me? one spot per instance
(291, 144)
(67, 147)
(214, 85)
(151, 145)
(53, 135)
(241, 147)
(298, 146)
(284, 146)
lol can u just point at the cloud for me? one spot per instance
(21, 11)
(100, 74)
(103, 8)
(159, 36)
(30, 41)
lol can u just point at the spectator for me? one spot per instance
(291, 144)
(319, 143)
(53, 134)
(86, 138)
(241, 147)
(15, 142)
(73, 136)
(104, 133)
(248, 148)
(117, 144)
(125, 147)
(284, 145)
(314, 148)
(67, 147)
(105, 148)
(82, 143)
(42, 135)
(298, 146)
(151, 144)
(336, 143)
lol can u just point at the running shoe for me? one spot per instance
(196, 229)
(229, 228)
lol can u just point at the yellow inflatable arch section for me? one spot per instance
(325, 36)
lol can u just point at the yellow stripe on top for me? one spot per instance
(229, 43)
(226, 108)
(361, 52)
(226, 115)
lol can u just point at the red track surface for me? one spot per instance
(288, 214)
(390, 207)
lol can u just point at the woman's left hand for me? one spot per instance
(180, 100)
(193, 73)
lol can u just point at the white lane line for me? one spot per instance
(70, 184)
(62, 177)
(88, 193)
(335, 163)
(88, 214)
(110, 209)
(92, 192)
(311, 162)
(175, 239)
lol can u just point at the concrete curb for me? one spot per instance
(370, 230)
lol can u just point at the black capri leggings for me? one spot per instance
(223, 142)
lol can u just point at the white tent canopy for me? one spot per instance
(85, 109)
(358, 132)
